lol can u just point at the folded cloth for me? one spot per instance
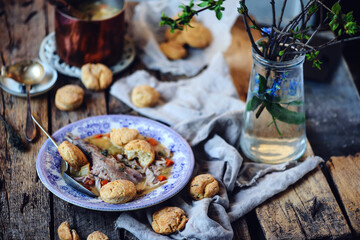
(206, 111)
(147, 34)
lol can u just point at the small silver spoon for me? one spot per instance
(28, 72)
(65, 167)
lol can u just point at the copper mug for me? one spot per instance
(83, 41)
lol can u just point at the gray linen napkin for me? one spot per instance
(206, 111)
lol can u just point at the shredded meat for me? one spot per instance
(105, 167)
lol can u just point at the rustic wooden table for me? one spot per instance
(325, 204)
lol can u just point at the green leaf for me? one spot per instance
(242, 9)
(298, 36)
(281, 52)
(262, 84)
(349, 17)
(334, 27)
(253, 103)
(283, 114)
(336, 8)
(203, 4)
(218, 15)
(340, 32)
(276, 126)
(296, 103)
(313, 9)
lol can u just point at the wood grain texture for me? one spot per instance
(29, 211)
(241, 230)
(83, 220)
(25, 202)
(306, 210)
(345, 174)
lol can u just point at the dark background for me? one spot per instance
(332, 102)
(351, 50)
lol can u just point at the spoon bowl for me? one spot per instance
(28, 72)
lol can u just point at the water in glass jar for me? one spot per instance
(264, 141)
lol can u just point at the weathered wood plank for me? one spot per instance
(83, 220)
(345, 171)
(25, 201)
(5, 175)
(241, 230)
(306, 210)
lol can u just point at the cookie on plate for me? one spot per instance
(96, 76)
(169, 220)
(69, 97)
(144, 96)
(119, 191)
(203, 186)
(142, 150)
(197, 36)
(72, 155)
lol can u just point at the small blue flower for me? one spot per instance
(276, 86)
(266, 30)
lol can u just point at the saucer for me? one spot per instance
(49, 55)
(11, 86)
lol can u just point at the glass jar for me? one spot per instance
(274, 126)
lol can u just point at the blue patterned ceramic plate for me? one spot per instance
(48, 161)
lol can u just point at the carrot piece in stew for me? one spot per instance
(98, 136)
(169, 162)
(161, 178)
(152, 141)
(104, 182)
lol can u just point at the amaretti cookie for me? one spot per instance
(122, 136)
(175, 36)
(203, 186)
(96, 76)
(169, 220)
(97, 235)
(144, 96)
(65, 233)
(119, 191)
(197, 36)
(142, 150)
(69, 97)
(173, 50)
(72, 155)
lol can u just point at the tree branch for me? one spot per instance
(334, 41)
(273, 12)
(256, 25)
(302, 10)
(282, 13)
(326, 7)
(253, 44)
